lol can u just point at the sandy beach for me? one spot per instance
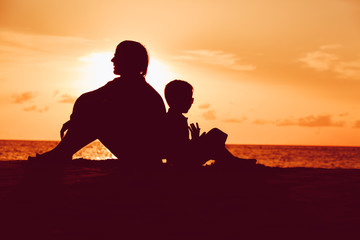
(105, 200)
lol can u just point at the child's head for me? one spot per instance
(179, 95)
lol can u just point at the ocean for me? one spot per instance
(270, 155)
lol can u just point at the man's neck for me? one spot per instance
(132, 76)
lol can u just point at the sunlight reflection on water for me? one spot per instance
(269, 155)
(20, 150)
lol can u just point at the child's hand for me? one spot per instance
(195, 131)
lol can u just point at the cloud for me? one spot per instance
(56, 92)
(10, 41)
(330, 46)
(286, 122)
(29, 109)
(17, 47)
(261, 122)
(213, 57)
(348, 69)
(204, 106)
(34, 108)
(343, 114)
(319, 60)
(311, 121)
(209, 115)
(308, 121)
(23, 97)
(235, 120)
(96, 57)
(323, 60)
(319, 121)
(357, 124)
(66, 98)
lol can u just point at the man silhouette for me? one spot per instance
(125, 115)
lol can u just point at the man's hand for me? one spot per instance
(64, 128)
(195, 131)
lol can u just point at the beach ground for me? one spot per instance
(103, 200)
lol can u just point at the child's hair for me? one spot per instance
(178, 91)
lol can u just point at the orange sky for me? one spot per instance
(266, 72)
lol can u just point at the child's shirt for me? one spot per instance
(180, 150)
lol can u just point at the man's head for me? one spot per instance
(179, 95)
(130, 58)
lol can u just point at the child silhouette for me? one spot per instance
(180, 150)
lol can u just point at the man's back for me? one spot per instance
(133, 115)
(125, 114)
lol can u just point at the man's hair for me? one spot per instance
(136, 56)
(178, 91)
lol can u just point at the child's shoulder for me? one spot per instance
(173, 118)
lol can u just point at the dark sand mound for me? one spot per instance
(105, 200)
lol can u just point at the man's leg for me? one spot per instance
(73, 141)
(82, 129)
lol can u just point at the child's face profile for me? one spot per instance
(188, 103)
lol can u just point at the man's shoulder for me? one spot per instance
(109, 85)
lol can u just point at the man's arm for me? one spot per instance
(64, 128)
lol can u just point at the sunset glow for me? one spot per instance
(283, 72)
(158, 75)
(96, 71)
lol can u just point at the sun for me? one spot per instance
(158, 75)
(97, 69)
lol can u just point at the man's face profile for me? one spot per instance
(118, 61)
